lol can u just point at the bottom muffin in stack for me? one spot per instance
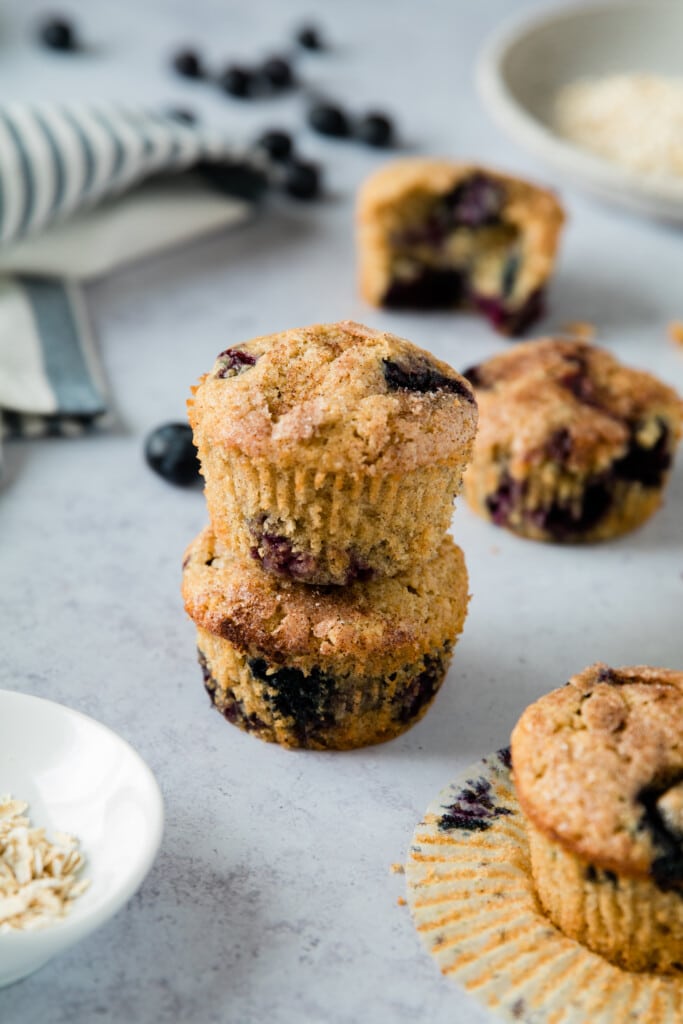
(323, 668)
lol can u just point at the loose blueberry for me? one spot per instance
(302, 180)
(310, 38)
(59, 34)
(238, 81)
(375, 130)
(422, 378)
(278, 73)
(188, 64)
(327, 119)
(170, 452)
(277, 144)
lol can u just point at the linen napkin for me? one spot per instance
(85, 188)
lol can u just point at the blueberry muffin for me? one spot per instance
(598, 770)
(438, 234)
(572, 445)
(324, 668)
(332, 453)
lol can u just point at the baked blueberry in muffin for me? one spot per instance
(439, 234)
(332, 453)
(598, 770)
(324, 668)
(572, 445)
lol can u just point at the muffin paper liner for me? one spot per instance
(472, 899)
(385, 521)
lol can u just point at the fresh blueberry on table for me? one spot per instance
(310, 38)
(302, 180)
(277, 72)
(188, 64)
(328, 119)
(238, 81)
(375, 130)
(277, 144)
(59, 33)
(170, 452)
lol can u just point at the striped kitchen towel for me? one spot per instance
(50, 376)
(85, 189)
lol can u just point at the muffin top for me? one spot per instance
(566, 401)
(598, 767)
(413, 180)
(340, 397)
(366, 625)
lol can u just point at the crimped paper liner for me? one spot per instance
(384, 523)
(473, 903)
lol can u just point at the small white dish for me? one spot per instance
(77, 777)
(523, 67)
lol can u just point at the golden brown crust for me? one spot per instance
(572, 445)
(586, 756)
(529, 393)
(366, 625)
(318, 396)
(404, 188)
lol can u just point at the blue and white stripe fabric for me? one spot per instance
(67, 213)
(57, 159)
(50, 377)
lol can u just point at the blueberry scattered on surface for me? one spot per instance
(328, 119)
(188, 64)
(277, 144)
(238, 81)
(278, 73)
(170, 452)
(310, 38)
(302, 180)
(58, 33)
(375, 130)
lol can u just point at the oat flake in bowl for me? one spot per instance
(39, 878)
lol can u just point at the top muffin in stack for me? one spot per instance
(331, 456)
(332, 453)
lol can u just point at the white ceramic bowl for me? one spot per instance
(522, 68)
(81, 778)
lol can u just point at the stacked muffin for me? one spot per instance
(326, 592)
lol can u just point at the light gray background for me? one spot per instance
(272, 899)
